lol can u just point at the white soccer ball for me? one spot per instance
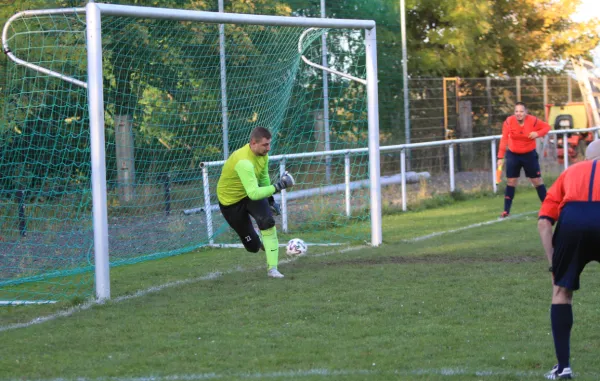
(296, 247)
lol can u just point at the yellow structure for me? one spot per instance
(577, 111)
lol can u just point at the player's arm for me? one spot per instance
(503, 140)
(541, 129)
(245, 171)
(550, 206)
(549, 214)
(264, 179)
(544, 128)
(545, 230)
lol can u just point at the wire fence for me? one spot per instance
(436, 103)
(462, 108)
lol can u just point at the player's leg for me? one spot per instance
(513, 171)
(576, 241)
(567, 265)
(238, 218)
(531, 164)
(261, 212)
(561, 319)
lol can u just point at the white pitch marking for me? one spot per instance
(325, 373)
(24, 302)
(437, 234)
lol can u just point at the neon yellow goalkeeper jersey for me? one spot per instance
(244, 175)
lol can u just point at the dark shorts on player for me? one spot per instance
(528, 161)
(576, 242)
(238, 217)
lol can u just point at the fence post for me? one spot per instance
(403, 176)
(518, 89)
(566, 150)
(451, 164)
(347, 182)
(284, 214)
(223, 68)
(207, 207)
(326, 123)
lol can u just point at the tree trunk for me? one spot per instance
(465, 131)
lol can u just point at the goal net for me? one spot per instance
(179, 97)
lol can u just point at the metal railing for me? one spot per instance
(349, 185)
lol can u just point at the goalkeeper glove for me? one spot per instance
(275, 208)
(284, 182)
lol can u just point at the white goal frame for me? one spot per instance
(94, 86)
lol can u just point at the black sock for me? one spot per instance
(541, 189)
(509, 194)
(561, 317)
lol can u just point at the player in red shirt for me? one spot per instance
(517, 149)
(573, 202)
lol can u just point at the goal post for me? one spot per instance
(97, 148)
(162, 111)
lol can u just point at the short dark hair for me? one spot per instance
(519, 103)
(259, 133)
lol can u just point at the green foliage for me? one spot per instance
(479, 38)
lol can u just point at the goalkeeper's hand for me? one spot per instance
(275, 207)
(284, 182)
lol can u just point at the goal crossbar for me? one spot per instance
(230, 18)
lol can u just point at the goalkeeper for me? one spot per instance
(244, 189)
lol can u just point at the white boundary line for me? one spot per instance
(325, 373)
(437, 234)
(23, 302)
(140, 293)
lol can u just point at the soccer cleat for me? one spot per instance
(566, 374)
(504, 214)
(274, 273)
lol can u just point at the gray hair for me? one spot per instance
(593, 150)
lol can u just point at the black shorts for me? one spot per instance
(238, 217)
(528, 161)
(576, 242)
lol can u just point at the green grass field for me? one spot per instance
(472, 304)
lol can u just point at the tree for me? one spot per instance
(474, 38)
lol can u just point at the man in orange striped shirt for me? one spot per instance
(517, 146)
(573, 201)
